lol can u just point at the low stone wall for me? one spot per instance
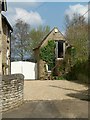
(12, 91)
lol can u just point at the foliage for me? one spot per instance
(79, 72)
(59, 78)
(70, 59)
(77, 35)
(67, 62)
(37, 35)
(77, 61)
(47, 53)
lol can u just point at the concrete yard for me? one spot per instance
(52, 99)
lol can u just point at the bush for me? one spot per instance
(59, 78)
(79, 72)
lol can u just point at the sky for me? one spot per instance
(44, 13)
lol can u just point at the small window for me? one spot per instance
(48, 67)
(4, 6)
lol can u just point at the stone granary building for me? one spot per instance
(61, 46)
(5, 36)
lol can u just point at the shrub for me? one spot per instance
(79, 72)
(60, 78)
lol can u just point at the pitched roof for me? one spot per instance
(47, 36)
(3, 17)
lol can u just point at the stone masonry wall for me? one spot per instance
(5, 47)
(0, 41)
(12, 91)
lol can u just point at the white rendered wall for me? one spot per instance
(28, 69)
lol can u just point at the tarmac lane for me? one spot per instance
(49, 109)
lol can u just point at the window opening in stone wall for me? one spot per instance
(49, 68)
(60, 49)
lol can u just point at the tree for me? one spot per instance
(36, 36)
(20, 43)
(25, 39)
(77, 35)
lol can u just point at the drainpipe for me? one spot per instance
(10, 51)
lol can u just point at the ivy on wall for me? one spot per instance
(47, 53)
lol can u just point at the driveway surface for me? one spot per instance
(53, 90)
(51, 99)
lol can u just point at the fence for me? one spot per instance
(28, 69)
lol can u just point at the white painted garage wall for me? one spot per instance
(28, 69)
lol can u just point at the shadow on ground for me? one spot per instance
(82, 95)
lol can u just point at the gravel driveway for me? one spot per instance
(53, 90)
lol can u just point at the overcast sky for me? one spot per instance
(45, 13)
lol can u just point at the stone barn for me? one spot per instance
(61, 44)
